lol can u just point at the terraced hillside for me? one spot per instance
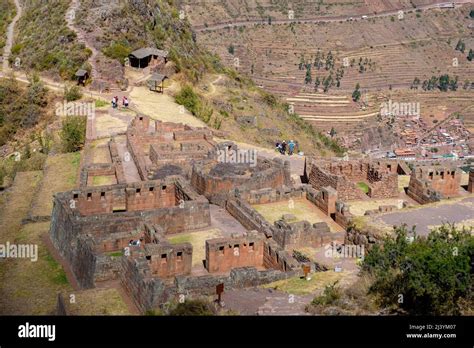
(206, 13)
(316, 66)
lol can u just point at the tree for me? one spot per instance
(308, 79)
(327, 83)
(329, 61)
(317, 82)
(470, 56)
(231, 49)
(269, 20)
(453, 84)
(356, 94)
(444, 82)
(332, 133)
(302, 63)
(423, 275)
(460, 46)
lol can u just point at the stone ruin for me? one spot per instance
(114, 169)
(90, 225)
(432, 183)
(121, 232)
(344, 177)
(161, 148)
(216, 178)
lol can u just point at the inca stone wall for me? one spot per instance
(430, 184)
(84, 234)
(223, 254)
(217, 180)
(344, 177)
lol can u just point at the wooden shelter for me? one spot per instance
(82, 76)
(144, 57)
(155, 82)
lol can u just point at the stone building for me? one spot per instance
(432, 183)
(347, 178)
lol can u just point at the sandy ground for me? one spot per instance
(161, 107)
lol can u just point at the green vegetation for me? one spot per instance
(73, 133)
(20, 108)
(57, 274)
(331, 294)
(192, 308)
(72, 93)
(363, 186)
(45, 43)
(99, 103)
(356, 94)
(118, 50)
(7, 12)
(194, 103)
(443, 83)
(427, 276)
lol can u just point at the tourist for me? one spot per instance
(291, 147)
(283, 147)
(125, 101)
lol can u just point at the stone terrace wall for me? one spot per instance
(248, 217)
(275, 257)
(300, 234)
(343, 176)
(218, 188)
(223, 254)
(168, 260)
(470, 186)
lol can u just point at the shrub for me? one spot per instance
(117, 50)
(72, 93)
(192, 308)
(427, 276)
(73, 133)
(331, 294)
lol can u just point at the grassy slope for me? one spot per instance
(27, 287)
(195, 65)
(7, 12)
(44, 43)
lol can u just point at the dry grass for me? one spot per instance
(97, 302)
(162, 107)
(197, 240)
(106, 124)
(30, 288)
(101, 180)
(403, 181)
(100, 155)
(60, 175)
(298, 286)
(302, 209)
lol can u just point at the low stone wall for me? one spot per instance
(470, 186)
